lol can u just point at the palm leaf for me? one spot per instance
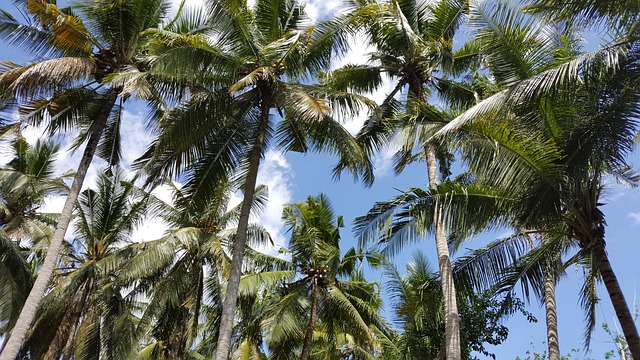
(51, 75)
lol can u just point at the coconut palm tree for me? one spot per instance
(533, 107)
(85, 314)
(517, 47)
(417, 301)
(414, 46)
(255, 61)
(521, 53)
(539, 113)
(25, 182)
(575, 189)
(322, 303)
(183, 273)
(82, 49)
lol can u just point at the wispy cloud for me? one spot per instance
(319, 10)
(136, 138)
(276, 173)
(383, 162)
(635, 217)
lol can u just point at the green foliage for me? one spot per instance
(419, 309)
(85, 312)
(347, 304)
(25, 182)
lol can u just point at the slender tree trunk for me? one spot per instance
(196, 308)
(551, 315)
(308, 336)
(621, 350)
(32, 302)
(451, 319)
(231, 296)
(617, 299)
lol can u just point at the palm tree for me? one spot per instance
(183, 273)
(517, 47)
(563, 135)
(322, 303)
(520, 58)
(25, 182)
(414, 46)
(254, 62)
(83, 48)
(85, 314)
(417, 301)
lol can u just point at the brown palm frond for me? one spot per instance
(306, 106)
(71, 36)
(9, 73)
(53, 74)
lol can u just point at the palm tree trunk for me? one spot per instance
(451, 319)
(551, 315)
(308, 336)
(231, 297)
(32, 302)
(196, 308)
(617, 299)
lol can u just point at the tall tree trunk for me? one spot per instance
(451, 319)
(231, 296)
(551, 314)
(617, 298)
(308, 336)
(551, 317)
(32, 302)
(549, 282)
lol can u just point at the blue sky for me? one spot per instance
(293, 177)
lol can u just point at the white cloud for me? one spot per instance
(135, 137)
(153, 228)
(33, 133)
(383, 162)
(318, 10)
(188, 4)
(635, 217)
(150, 229)
(53, 204)
(276, 173)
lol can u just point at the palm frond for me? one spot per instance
(327, 135)
(586, 12)
(51, 75)
(251, 284)
(564, 77)
(29, 36)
